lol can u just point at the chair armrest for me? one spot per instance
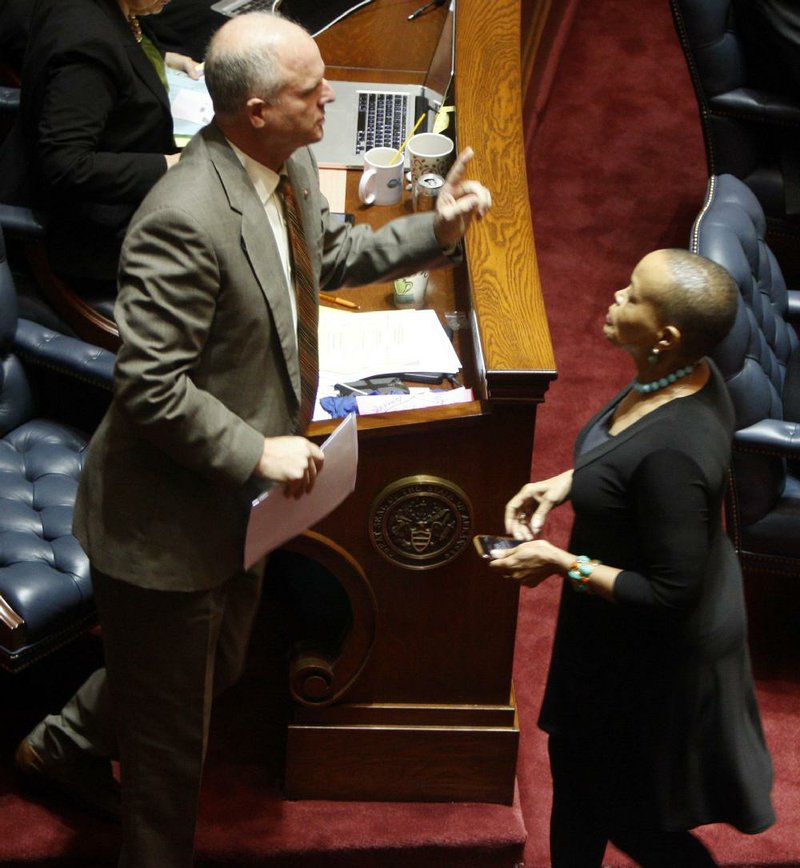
(770, 437)
(72, 380)
(21, 221)
(38, 345)
(793, 305)
(9, 99)
(757, 105)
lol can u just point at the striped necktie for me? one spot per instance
(307, 307)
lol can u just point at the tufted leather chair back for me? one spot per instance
(16, 398)
(8, 301)
(746, 128)
(758, 360)
(717, 56)
(48, 381)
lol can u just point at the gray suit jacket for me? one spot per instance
(208, 363)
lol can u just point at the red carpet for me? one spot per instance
(616, 170)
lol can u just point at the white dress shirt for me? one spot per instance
(266, 183)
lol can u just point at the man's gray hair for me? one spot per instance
(235, 75)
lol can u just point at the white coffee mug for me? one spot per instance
(409, 292)
(430, 153)
(382, 180)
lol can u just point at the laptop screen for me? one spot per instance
(442, 66)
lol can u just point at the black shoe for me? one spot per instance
(87, 783)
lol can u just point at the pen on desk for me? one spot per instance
(343, 302)
(425, 8)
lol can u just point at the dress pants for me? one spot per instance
(167, 655)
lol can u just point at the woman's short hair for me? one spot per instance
(700, 300)
(236, 72)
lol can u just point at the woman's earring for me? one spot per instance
(653, 357)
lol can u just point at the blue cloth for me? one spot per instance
(337, 408)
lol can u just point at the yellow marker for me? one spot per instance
(403, 146)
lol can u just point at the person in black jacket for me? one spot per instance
(650, 706)
(14, 18)
(185, 26)
(95, 129)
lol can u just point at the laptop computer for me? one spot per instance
(370, 114)
(366, 114)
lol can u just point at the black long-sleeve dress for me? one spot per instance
(653, 694)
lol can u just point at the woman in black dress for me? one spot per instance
(650, 707)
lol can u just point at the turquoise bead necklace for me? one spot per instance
(663, 382)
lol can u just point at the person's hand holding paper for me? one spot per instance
(273, 521)
(291, 460)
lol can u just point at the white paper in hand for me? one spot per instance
(275, 519)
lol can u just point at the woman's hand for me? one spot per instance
(527, 510)
(532, 562)
(184, 64)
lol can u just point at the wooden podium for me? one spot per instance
(405, 691)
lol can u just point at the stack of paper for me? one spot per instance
(190, 103)
(353, 346)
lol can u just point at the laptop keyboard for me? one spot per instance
(255, 6)
(381, 120)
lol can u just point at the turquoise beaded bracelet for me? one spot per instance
(580, 571)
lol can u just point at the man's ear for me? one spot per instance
(256, 110)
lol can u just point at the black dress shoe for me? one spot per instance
(86, 782)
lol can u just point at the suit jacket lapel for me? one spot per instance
(139, 60)
(258, 245)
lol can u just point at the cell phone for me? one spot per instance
(345, 217)
(485, 545)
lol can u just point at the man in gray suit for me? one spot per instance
(208, 392)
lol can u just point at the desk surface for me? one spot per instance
(380, 38)
(499, 287)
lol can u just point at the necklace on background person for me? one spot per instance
(136, 28)
(663, 382)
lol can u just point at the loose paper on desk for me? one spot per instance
(353, 346)
(275, 519)
(417, 399)
(190, 103)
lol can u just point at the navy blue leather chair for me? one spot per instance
(54, 301)
(748, 131)
(760, 362)
(9, 107)
(53, 390)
